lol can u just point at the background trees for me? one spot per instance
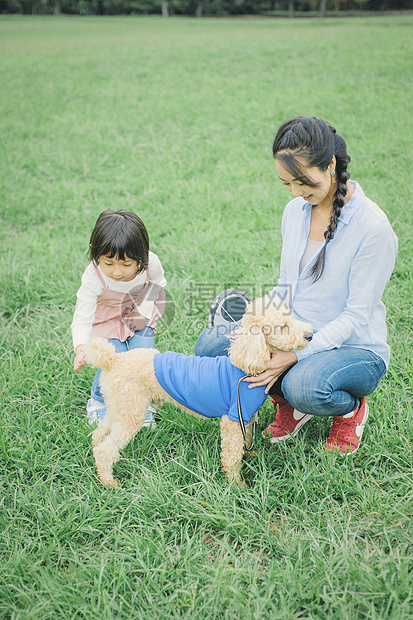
(198, 8)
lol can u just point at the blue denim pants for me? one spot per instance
(142, 339)
(325, 384)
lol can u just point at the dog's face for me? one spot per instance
(267, 326)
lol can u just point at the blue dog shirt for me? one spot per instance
(207, 385)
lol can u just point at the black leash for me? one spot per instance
(241, 420)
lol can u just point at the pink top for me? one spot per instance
(117, 314)
(104, 311)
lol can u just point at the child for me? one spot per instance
(121, 297)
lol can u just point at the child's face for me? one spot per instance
(118, 270)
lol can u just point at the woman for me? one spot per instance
(338, 254)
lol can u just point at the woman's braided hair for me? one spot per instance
(316, 141)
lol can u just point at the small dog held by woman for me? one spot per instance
(203, 386)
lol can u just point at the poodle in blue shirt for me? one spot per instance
(207, 387)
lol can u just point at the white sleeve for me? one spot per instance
(84, 314)
(156, 272)
(156, 283)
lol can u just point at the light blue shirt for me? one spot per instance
(344, 305)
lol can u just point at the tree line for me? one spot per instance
(198, 8)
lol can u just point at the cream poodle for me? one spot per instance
(202, 386)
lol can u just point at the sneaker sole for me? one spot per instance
(301, 423)
(149, 425)
(218, 304)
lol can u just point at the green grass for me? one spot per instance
(174, 119)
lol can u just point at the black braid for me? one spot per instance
(342, 160)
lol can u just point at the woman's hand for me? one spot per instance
(280, 361)
(80, 359)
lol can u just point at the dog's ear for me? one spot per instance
(248, 349)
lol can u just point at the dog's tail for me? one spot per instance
(100, 353)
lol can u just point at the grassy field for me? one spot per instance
(175, 119)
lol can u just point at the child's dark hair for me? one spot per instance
(316, 141)
(120, 233)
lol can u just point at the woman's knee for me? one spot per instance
(316, 396)
(213, 342)
(307, 401)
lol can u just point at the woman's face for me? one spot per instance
(324, 183)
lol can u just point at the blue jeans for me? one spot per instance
(325, 384)
(214, 341)
(142, 339)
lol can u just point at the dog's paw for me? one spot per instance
(231, 477)
(99, 435)
(110, 482)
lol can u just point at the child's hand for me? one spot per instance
(80, 359)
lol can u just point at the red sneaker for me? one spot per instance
(287, 423)
(347, 430)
